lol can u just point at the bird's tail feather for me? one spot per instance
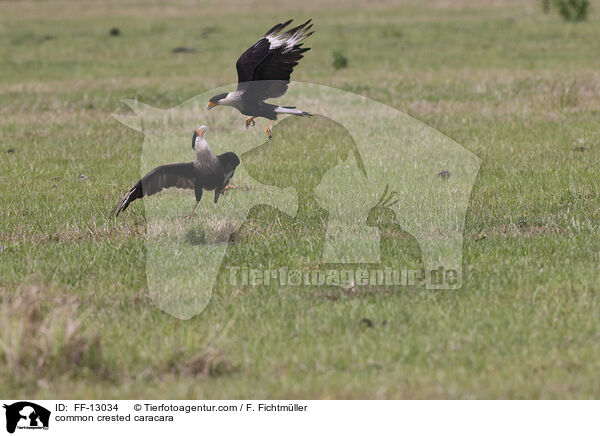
(292, 111)
(122, 205)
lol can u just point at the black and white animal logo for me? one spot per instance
(26, 415)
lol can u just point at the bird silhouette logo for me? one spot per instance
(26, 415)
(335, 168)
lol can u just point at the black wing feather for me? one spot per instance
(277, 28)
(271, 66)
(249, 60)
(179, 175)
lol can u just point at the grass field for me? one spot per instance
(518, 88)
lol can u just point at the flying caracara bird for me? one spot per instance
(207, 172)
(264, 72)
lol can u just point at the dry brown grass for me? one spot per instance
(38, 343)
(209, 362)
(74, 233)
(522, 229)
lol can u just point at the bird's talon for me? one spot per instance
(250, 122)
(227, 188)
(268, 129)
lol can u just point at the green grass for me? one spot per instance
(518, 88)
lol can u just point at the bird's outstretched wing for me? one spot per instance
(229, 162)
(271, 59)
(179, 175)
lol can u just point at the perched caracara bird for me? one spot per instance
(264, 72)
(207, 172)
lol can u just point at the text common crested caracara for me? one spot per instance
(207, 172)
(264, 72)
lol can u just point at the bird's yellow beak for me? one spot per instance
(210, 105)
(200, 132)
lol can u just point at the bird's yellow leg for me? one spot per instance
(250, 122)
(193, 214)
(226, 189)
(268, 129)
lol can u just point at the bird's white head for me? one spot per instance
(219, 99)
(199, 137)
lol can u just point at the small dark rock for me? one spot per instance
(444, 175)
(48, 37)
(183, 50)
(115, 31)
(366, 322)
(207, 31)
(580, 149)
(10, 150)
